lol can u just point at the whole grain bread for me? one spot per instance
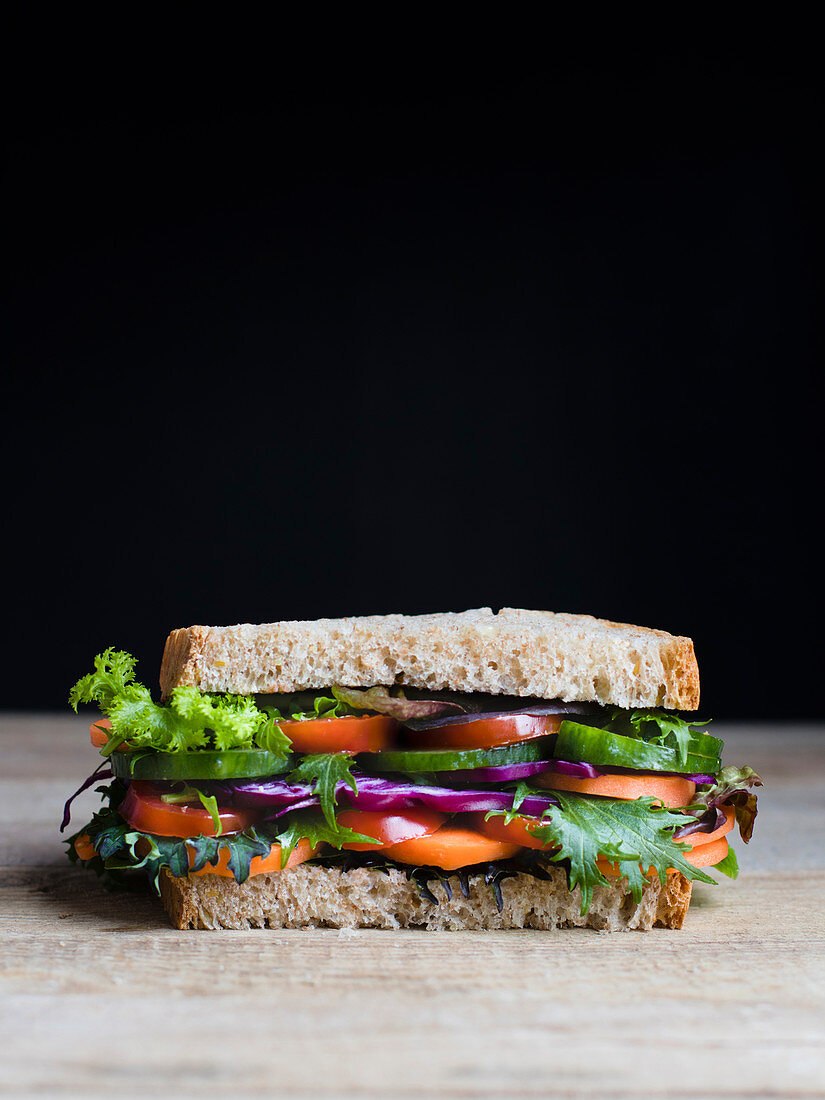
(327, 897)
(545, 654)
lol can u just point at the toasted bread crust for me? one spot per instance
(177, 654)
(674, 901)
(516, 652)
(317, 896)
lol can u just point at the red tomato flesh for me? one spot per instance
(260, 865)
(487, 733)
(516, 832)
(705, 855)
(144, 809)
(99, 736)
(699, 840)
(370, 733)
(671, 790)
(451, 847)
(389, 828)
(83, 847)
(708, 855)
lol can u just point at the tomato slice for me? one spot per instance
(390, 828)
(698, 840)
(368, 733)
(451, 847)
(100, 732)
(706, 855)
(302, 851)
(97, 735)
(144, 809)
(516, 832)
(671, 790)
(260, 865)
(488, 733)
(84, 848)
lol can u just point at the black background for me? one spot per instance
(308, 336)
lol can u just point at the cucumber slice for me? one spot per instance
(704, 745)
(206, 764)
(448, 760)
(594, 746)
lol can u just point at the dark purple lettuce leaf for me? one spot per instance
(394, 706)
(479, 709)
(733, 787)
(709, 822)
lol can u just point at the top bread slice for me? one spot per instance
(543, 654)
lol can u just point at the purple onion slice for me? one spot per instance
(379, 794)
(501, 773)
(580, 770)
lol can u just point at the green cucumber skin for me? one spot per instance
(443, 760)
(232, 764)
(574, 742)
(595, 746)
(708, 745)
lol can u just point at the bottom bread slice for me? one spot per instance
(311, 896)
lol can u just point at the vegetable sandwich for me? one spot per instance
(524, 769)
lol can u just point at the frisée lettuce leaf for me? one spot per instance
(190, 720)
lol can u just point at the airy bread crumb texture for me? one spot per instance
(515, 652)
(312, 896)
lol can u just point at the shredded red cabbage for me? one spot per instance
(383, 794)
(378, 794)
(501, 773)
(580, 770)
(102, 772)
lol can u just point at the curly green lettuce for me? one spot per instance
(190, 720)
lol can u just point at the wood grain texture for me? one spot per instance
(99, 996)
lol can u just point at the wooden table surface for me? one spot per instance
(99, 996)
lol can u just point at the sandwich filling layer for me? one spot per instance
(432, 784)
